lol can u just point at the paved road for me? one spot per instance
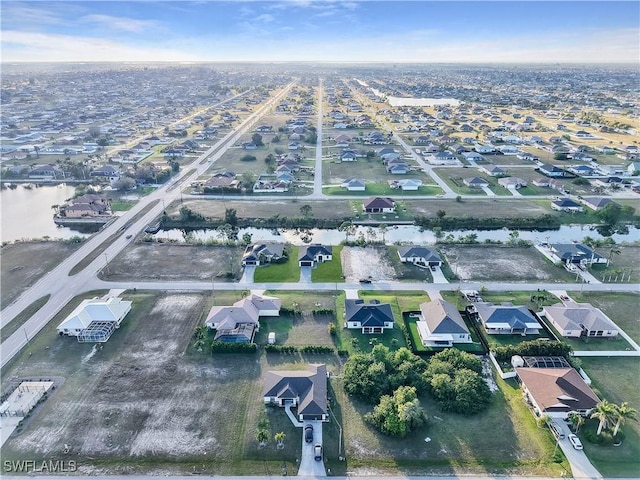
(317, 174)
(63, 287)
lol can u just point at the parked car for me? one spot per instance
(365, 280)
(575, 441)
(308, 433)
(129, 236)
(557, 432)
(317, 452)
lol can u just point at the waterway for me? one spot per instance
(27, 213)
(396, 234)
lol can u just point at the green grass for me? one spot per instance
(592, 344)
(280, 272)
(22, 317)
(411, 323)
(121, 206)
(330, 271)
(380, 189)
(618, 380)
(519, 298)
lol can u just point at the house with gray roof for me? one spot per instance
(372, 317)
(475, 182)
(596, 203)
(262, 253)
(507, 319)
(441, 325)
(304, 389)
(492, 170)
(574, 253)
(565, 204)
(354, 185)
(311, 255)
(573, 319)
(239, 322)
(421, 256)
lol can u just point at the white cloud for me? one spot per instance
(29, 15)
(121, 23)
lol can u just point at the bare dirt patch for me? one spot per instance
(478, 208)
(161, 261)
(493, 263)
(366, 262)
(23, 263)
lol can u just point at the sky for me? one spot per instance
(321, 31)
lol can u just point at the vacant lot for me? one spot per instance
(479, 208)
(173, 262)
(509, 264)
(366, 262)
(627, 262)
(23, 263)
(267, 208)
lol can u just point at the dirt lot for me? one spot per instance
(479, 208)
(139, 396)
(165, 261)
(366, 262)
(23, 263)
(266, 208)
(492, 263)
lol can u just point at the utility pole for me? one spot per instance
(106, 262)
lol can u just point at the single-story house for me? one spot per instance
(311, 255)
(575, 253)
(507, 319)
(596, 203)
(551, 170)
(484, 148)
(398, 168)
(419, 256)
(354, 185)
(239, 322)
(541, 182)
(441, 325)
(512, 183)
(94, 320)
(475, 182)
(379, 205)
(566, 205)
(492, 170)
(442, 158)
(406, 184)
(262, 253)
(557, 392)
(573, 319)
(372, 317)
(304, 389)
(472, 156)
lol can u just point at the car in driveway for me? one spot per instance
(575, 441)
(317, 452)
(556, 430)
(308, 433)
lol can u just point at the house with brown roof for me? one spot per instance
(304, 389)
(557, 392)
(379, 205)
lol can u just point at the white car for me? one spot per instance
(575, 441)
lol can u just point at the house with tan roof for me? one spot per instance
(573, 319)
(441, 325)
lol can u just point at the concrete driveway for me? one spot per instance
(308, 465)
(438, 276)
(580, 465)
(305, 274)
(247, 274)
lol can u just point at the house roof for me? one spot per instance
(354, 182)
(573, 316)
(379, 202)
(419, 252)
(263, 249)
(309, 385)
(476, 181)
(228, 318)
(565, 203)
(96, 310)
(442, 317)
(597, 202)
(368, 314)
(506, 316)
(310, 252)
(557, 389)
(573, 251)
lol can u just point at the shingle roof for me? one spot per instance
(501, 316)
(442, 317)
(572, 316)
(310, 386)
(368, 314)
(310, 252)
(419, 252)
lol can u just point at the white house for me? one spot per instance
(372, 317)
(580, 320)
(441, 325)
(94, 320)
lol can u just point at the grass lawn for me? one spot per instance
(22, 317)
(458, 444)
(519, 298)
(592, 344)
(407, 271)
(118, 206)
(617, 380)
(330, 271)
(475, 347)
(379, 189)
(288, 271)
(622, 308)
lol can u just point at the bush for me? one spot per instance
(225, 347)
(316, 349)
(285, 349)
(332, 329)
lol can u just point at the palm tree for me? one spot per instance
(621, 413)
(613, 251)
(279, 437)
(262, 437)
(604, 412)
(577, 421)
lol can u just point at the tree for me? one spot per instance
(262, 436)
(622, 413)
(124, 184)
(440, 214)
(613, 251)
(279, 437)
(256, 139)
(231, 216)
(383, 230)
(605, 413)
(398, 414)
(577, 421)
(306, 210)
(248, 158)
(246, 238)
(348, 228)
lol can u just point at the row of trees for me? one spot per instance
(609, 415)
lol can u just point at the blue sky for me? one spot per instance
(320, 30)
